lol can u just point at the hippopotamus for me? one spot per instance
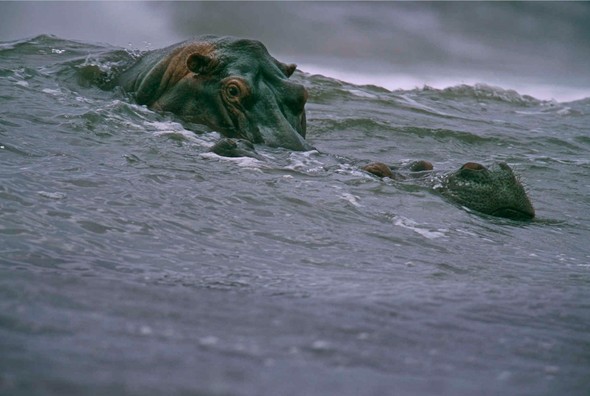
(493, 190)
(232, 85)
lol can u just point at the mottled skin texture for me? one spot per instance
(232, 85)
(495, 191)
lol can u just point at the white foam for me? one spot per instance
(244, 162)
(417, 228)
(353, 199)
(52, 195)
(54, 92)
(164, 128)
(302, 161)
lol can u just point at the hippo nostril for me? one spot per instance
(473, 166)
(300, 101)
(378, 169)
(421, 166)
(295, 97)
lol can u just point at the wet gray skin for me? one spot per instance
(232, 85)
(495, 191)
(227, 147)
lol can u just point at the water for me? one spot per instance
(132, 261)
(537, 48)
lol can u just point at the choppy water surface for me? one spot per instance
(132, 261)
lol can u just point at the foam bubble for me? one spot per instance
(417, 228)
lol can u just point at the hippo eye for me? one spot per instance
(232, 90)
(235, 89)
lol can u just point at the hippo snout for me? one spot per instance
(495, 191)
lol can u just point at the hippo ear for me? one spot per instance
(290, 69)
(200, 64)
(287, 70)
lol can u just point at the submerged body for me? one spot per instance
(237, 88)
(231, 85)
(495, 191)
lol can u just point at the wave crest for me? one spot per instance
(481, 91)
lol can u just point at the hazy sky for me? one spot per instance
(539, 46)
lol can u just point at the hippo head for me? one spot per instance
(495, 191)
(231, 85)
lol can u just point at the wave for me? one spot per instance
(47, 46)
(481, 91)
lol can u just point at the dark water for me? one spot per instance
(134, 262)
